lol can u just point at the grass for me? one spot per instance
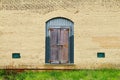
(104, 74)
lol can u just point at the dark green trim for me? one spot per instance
(16, 55)
(70, 25)
(101, 55)
(47, 50)
(72, 49)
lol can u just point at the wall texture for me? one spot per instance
(96, 29)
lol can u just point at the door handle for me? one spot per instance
(59, 44)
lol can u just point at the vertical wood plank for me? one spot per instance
(64, 45)
(65, 48)
(53, 46)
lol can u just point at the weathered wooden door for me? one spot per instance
(59, 45)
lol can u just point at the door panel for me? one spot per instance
(53, 46)
(65, 47)
(59, 39)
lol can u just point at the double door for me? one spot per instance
(59, 45)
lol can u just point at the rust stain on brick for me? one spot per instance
(107, 42)
(1, 33)
(8, 32)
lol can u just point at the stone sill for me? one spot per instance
(48, 64)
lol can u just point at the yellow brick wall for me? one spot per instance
(96, 29)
